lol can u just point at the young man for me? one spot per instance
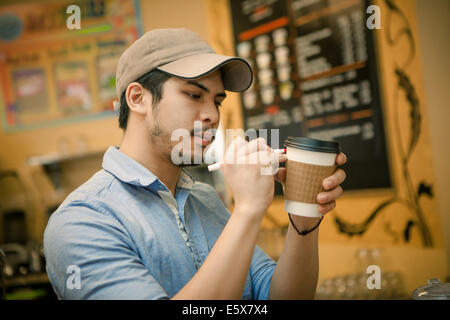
(141, 228)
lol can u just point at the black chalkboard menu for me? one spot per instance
(315, 75)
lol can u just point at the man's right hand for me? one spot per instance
(245, 167)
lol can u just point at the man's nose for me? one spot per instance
(209, 114)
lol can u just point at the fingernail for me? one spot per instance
(328, 183)
(322, 197)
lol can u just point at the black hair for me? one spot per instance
(152, 81)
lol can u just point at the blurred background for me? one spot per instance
(373, 75)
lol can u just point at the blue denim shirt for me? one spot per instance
(124, 236)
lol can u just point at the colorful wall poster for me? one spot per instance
(72, 84)
(30, 90)
(106, 66)
(51, 74)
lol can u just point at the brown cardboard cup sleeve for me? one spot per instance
(304, 181)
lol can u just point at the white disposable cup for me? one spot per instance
(308, 157)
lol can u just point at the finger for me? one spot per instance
(234, 150)
(329, 196)
(255, 145)
(282, 157)
(325, 208)
(269, 157)
(263, 158)
(239, 142)
(341, 159)
(334, 180)
(268, 162)
(280, 176)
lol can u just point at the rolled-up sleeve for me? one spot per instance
(89, 255)
(261, 271)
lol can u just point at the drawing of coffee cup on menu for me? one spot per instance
(284, 72)
(250, 99)
(282, 55)
(244, 49)
(286, 89)
(263, 60)
(268, 95)
(279, 37)
(262, 43)
(265, 77)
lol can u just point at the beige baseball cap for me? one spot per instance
(180, 53)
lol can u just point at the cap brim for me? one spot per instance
(236, 72)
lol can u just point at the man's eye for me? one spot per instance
(193, 95)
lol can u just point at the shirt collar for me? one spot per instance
(185, 180)
(130, 171)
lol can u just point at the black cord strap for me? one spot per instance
(304, 232)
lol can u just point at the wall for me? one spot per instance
(175, 14)
(433, 21)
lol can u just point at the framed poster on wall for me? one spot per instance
(51, 74)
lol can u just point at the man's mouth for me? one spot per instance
(203, 137)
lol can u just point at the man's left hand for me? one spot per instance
(332, 188)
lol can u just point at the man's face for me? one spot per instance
(189, 107)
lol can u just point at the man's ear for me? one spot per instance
(136, 98)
